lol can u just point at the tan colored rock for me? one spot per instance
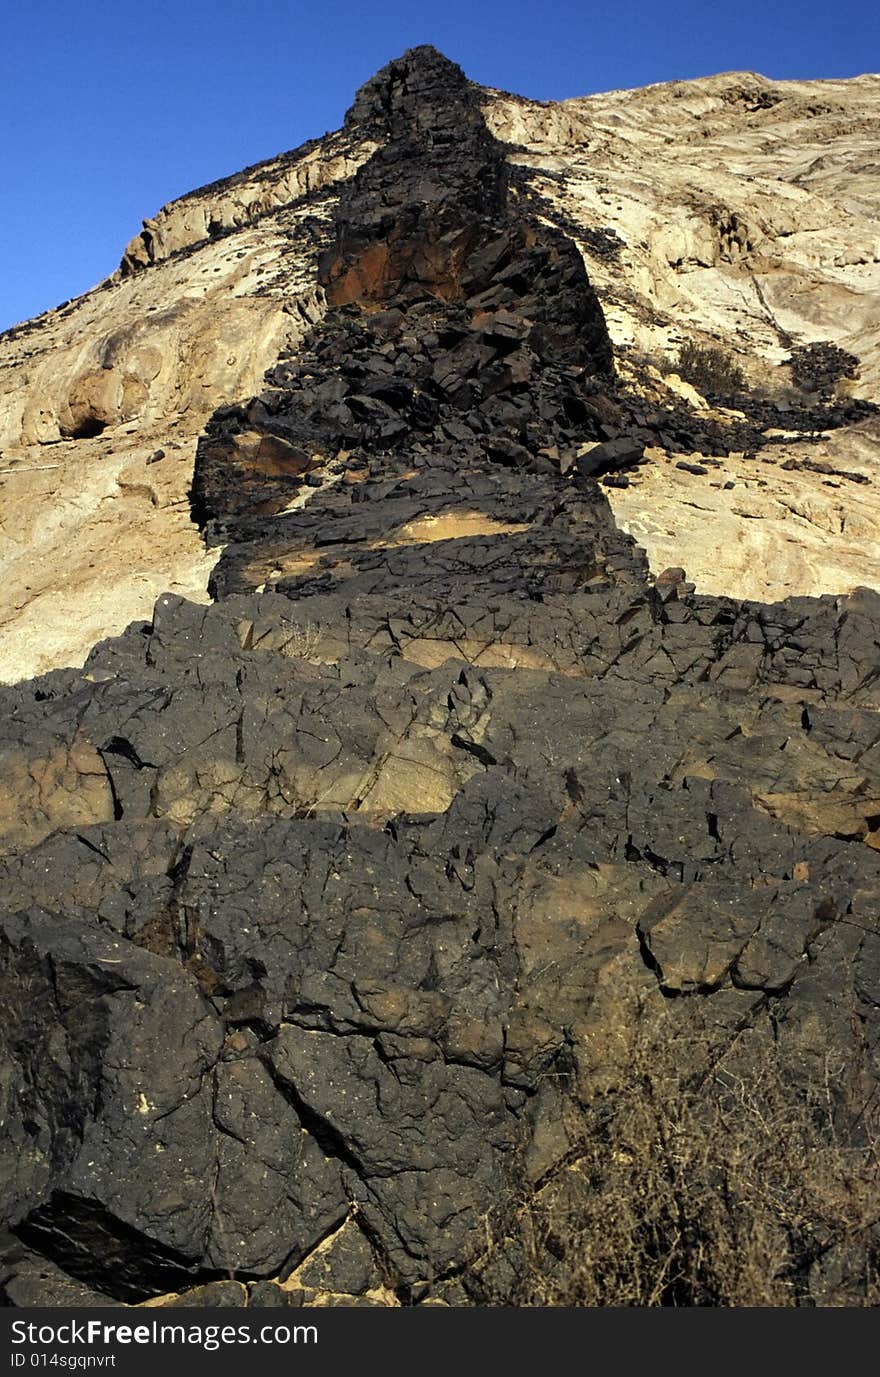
(743, 204)
(243, 199)
(64, 785)
(748, 215)
(90, 531)
(774, 533)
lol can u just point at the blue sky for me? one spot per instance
(109, 110)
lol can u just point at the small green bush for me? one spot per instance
(709, 369)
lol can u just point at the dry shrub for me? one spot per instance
(303, 642)
(721, 1187)
(710, 370)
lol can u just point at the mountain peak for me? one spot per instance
(421, 83)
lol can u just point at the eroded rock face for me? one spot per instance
(103, 400)
(731, 210)
(738, 212)
(331, 898)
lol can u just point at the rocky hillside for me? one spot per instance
(732, 211)
(451, 869)
(739, 212)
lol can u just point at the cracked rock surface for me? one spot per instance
(320, 903)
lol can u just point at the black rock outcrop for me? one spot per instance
(321, 903)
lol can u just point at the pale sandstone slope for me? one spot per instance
(92, 525)
(748, 211)
(749, 215)
(748, 208)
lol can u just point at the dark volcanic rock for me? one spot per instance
(413, 214)
(322, 903)
(818, 368)
(610, 457)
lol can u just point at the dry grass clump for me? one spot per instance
(303, 642)
(721, 1187)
